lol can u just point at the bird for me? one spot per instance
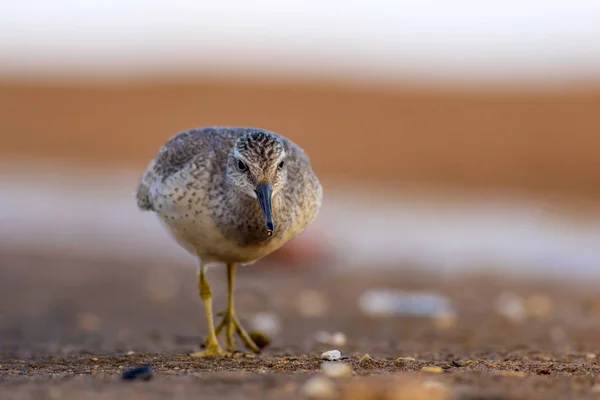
(230, 195)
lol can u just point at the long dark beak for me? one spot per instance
(263, 193)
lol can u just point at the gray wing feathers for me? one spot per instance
(171, 158)
(142, 196)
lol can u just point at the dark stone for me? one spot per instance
(143, 373)
(261, 339)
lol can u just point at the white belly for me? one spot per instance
(201, 237)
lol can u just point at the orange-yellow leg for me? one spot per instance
(212, 345)
(230, 321)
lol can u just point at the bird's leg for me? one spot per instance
(212, 345)
(230, 312)
(230, 321)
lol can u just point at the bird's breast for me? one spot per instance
(221, 232)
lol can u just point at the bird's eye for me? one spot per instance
(241, 166)
(281, 164)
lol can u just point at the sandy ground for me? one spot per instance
(67, 327)
(71, 323)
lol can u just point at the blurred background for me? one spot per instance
(448, 135)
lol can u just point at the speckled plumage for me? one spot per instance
(188, 187)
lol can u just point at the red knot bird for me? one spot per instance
(232, 196)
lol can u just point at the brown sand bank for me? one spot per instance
(528, 141)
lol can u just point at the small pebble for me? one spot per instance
(590, 356)
(510, 306)
(405, 360)
(130, 353)
(331, 355)
(336, 370)
(338, 339)
(432, 370)
(143, 373)
(366, 358)
(266, 322)
(261, 339)
(319, 388)
(313, 304)
(544, 371)
(94, 358)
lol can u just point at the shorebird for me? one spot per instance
(232, 196)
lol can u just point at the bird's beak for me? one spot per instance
(264, 193)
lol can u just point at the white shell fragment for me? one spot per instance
(331, 355)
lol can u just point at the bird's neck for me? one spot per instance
(244, 220)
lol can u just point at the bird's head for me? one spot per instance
(257, 168)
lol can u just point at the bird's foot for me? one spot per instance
(211, 351)
(232, 325)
